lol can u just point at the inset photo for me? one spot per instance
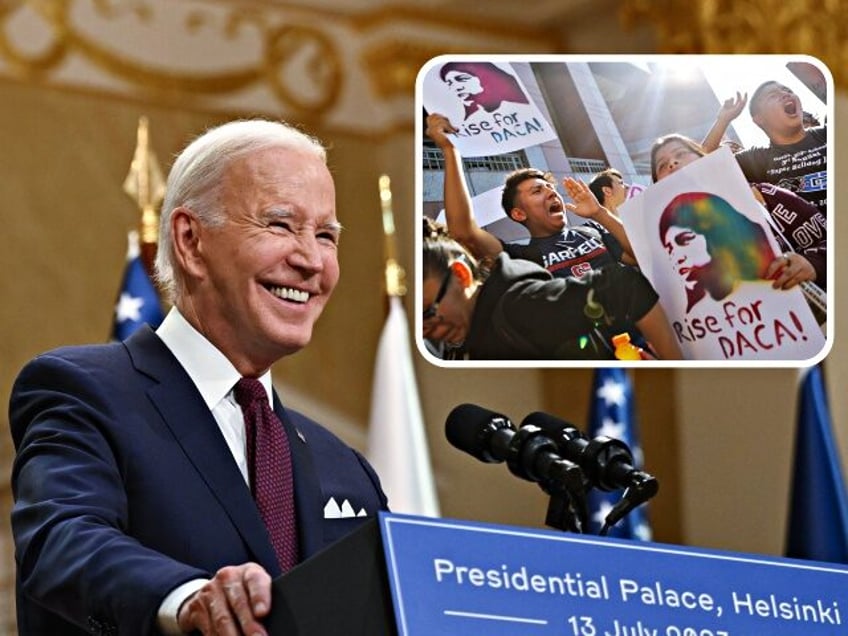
(659, 210)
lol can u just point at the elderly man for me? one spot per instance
(159, 483)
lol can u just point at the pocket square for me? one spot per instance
(332, 510)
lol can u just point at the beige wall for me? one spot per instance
(720, 440)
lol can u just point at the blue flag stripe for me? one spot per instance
(818, 514)
(612, 413)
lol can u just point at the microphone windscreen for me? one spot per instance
(550, 424)
(469, 428)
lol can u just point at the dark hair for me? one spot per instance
(440, 250)
(603, 180)
(515, 179)
(756, 96)
(691, 144)
(738, 247)
(498, 85)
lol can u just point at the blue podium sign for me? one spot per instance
(459, 577)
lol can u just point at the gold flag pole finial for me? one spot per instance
(146, 186)
(395, 275)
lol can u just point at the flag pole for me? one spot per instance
(395, 274)
(397, 441)
(146, 186)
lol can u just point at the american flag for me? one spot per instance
(818, 512)
(611, 413)
(138, 302)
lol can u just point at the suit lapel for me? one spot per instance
(195, 430)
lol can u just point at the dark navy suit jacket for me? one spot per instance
(125, 488)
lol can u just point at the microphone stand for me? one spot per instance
(644, 487)
(532, 455)
(567, 508)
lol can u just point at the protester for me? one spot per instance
(530, 198)
(796, 157)
(798, 226)
(516, 310)
(609, 189)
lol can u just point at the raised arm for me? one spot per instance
(458, 210)
(730, 110)
(585, 204)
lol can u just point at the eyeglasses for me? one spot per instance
(433, 309)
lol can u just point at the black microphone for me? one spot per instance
(606, 462)
(529, 453)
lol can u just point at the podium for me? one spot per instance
(414, 576)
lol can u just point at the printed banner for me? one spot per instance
(486, 208)
(703, 241)
(474, 579)
(489, 106)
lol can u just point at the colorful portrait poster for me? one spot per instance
(488, 104)
(703, 241)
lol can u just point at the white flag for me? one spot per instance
(397, 445)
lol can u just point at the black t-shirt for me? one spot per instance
(573, 252)
(524, 313)
(800, 167)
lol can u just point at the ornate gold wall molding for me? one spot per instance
(338, 65)
(298, 63)
(812, 27)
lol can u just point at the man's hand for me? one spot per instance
(732, 107)
(585, 203)
(438, 128)
(230, 604)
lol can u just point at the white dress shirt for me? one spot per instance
(214, 376)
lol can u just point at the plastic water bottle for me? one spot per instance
(624, 349)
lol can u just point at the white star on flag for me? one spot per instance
(611, 428)
(600, 514)
(612, 392)
(128, 308)
(611, 415)
(642, 531)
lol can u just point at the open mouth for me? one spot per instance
(790, 107)
(289, 293)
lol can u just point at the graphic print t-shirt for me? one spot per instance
(573, 252)
(800, 167)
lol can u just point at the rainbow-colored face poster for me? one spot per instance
(488, 105)
(702, 239)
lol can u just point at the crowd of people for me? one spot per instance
(572, 287)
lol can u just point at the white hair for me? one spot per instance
(196, 177)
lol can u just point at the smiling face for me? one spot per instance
(258, 282)
(463, 85)
(688, 253)
(539, 207)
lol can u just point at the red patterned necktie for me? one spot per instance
(270, 469)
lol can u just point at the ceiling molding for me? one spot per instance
(325, 65)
